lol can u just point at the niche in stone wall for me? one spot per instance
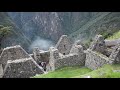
(63, 53)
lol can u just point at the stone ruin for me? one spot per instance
(65, 53)
(64, 45)
(100, 53)
(15, 62)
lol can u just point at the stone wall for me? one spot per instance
(95, 60)
(15, 62)
(112, 42)
(68, 60)
(22, 68)
(76, 57)
(64, 45)
(54, 55)
(115, 55)
(12, 53)
(41, 56)
(1, 70)
(98, 44)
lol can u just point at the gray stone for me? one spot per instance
(54, 54)
(78, 42)
(36, 53)
(22, 68)
(64, 45)
(75, 57)
(98, 44)
(115, 55)
(1, 70)
(110, 43)
(12, 53)
(41, 56)
(95, 60)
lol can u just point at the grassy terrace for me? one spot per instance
(114, 36)
(66, 72)
(107, 71)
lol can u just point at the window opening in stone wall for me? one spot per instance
(65, 47)
(63, 53)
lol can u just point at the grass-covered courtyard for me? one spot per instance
(107, 71)
(66, 72)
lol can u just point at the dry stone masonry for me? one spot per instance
(23, 68)
(12, 53)
(115, 55)
(64, 45)
(76, 56)
(97, 55)
(95, 60)
(15, 62)
(98, 44)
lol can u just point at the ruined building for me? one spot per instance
(65, 53)
(15, 62)
(100, 53)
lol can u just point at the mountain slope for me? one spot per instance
(17, 35)
(107, 23)
(77, 25)
(88, 24)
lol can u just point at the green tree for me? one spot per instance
(5, 31)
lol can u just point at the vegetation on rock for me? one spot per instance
(114, 36)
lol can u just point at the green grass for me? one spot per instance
(114, 36)
(65, 72)
(107, 71)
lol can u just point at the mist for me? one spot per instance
(41, 43)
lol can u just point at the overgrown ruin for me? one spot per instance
(15, 62)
